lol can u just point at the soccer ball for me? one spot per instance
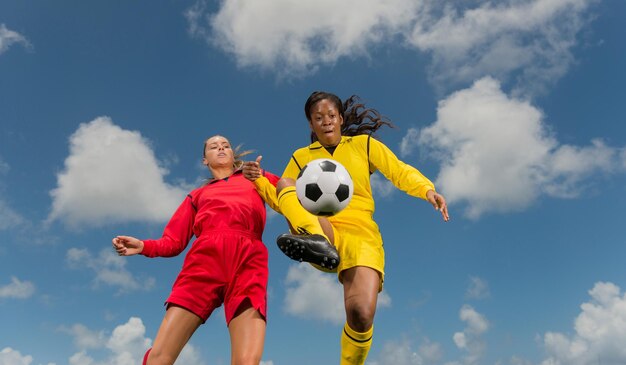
(324, 187)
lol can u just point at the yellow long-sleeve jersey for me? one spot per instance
(363, 155)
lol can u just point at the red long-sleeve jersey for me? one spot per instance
(225, 204)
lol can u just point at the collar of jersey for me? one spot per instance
(213, 180)
(317, 145)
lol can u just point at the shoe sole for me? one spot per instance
(300, 251)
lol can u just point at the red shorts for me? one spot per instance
(225, 266)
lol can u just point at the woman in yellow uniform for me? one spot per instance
(343, 132)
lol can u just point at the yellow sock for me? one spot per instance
(355, 345)
(298, 217)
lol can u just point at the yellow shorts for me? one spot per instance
(359, 243)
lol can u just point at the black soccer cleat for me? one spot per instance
(313, 248)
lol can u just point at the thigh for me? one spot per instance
(361, 282)
(247, 336)
(177, 327)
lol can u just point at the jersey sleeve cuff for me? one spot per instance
(148, 248)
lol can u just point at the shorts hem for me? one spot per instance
(258, 305)
(203, 314)
(378, 268)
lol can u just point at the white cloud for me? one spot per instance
(111, 175)
(381, 187)
(9, 37)
(81, 358)
(9, 356)
(110, 269)
(295, 37)
(126, 345)
(600, 331)
(531, 37)
(409, 142)
(84, 338)
(478, 288)
(313, 294)
(569, 165)
(17, 289)
(492, 149)
(476, 323)
(128, 342)
(498, 155)
(470, 339)
(431, 352)
(384, 300)
(402, 353)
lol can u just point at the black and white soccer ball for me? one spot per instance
(324, 187)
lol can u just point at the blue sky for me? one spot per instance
(514, 108)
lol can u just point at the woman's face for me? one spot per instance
(218, 153)
(326, 123)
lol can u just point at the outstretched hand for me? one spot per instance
(127, 245)
(439, 203)
(252, 169)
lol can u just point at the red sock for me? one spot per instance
(145, 357)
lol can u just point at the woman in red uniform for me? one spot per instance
(227, 263)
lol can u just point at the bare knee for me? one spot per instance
(360, 315)
(361, 286)
(248, 358)
(157, 357)
(284, 183)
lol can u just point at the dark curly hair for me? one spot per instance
(357, 119)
